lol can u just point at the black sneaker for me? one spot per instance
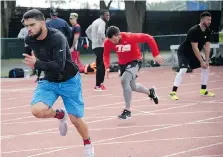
(153, 95)
(125, 114)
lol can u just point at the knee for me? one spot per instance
(125, 84)
(204, 70)
(123, 81)
(37, 112)
(75, 120)
(182, 71)
(100, 66)
(133, 88)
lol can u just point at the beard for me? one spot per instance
(35, 36)
(206, 25)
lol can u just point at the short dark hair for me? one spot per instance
(204, 14)
(103, 11)
(34, 13)
(112, 30)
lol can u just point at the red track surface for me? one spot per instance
(191, 126)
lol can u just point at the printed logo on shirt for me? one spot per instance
(41, 50)
(123, 48)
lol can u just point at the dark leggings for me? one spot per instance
(100, 73)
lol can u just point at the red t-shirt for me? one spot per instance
(127, 49)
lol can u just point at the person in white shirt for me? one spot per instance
(96, 33)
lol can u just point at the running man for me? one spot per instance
(96, 33)
(129, 59)
(198, 37)
(61, 77)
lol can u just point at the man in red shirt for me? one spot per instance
(129, 58)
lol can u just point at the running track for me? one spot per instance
(189, 127)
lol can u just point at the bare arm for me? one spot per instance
(76, 37)
(196, 51)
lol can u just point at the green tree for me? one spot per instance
(7, 11)
(104, 6)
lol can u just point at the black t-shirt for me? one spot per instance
(195, 34)
(53, 54)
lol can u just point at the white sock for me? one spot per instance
(179, 77)
(204, 76)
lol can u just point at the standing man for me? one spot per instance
(189, 54)
(58, 23)
(61, 77)
(76, 32)
(75, 41)
(96, 33)
(129, 58)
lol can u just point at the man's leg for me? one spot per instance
(102, 67)
(97, 66)
(177, 82)
(204, 81)
(100, 73)
(183, 64)
(41, 110)
(129, 85)
(41, 105)
(71, 93)
(137, 87)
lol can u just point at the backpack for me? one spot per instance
(16, 73)
(90, 68)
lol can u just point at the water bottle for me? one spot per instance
(26, 73)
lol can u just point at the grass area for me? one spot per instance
(8, 64)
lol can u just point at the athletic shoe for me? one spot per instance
(173, 96)
(63, 124)
(204, 92)
(125, 114)
(100, 88)
(88, 150)
(103, 88)
(153, 95)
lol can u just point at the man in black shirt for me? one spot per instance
(51, 54)
(59, 23)
(188, 54)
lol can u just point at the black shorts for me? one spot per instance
(185, 62)
(131, 64)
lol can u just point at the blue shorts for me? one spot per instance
(70, 91)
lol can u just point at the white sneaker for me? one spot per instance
(63, 124)
(88, 150)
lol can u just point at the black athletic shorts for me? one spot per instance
(131, 64)
(185, 62)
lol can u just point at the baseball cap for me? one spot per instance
(73, 15)
(53, 12)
